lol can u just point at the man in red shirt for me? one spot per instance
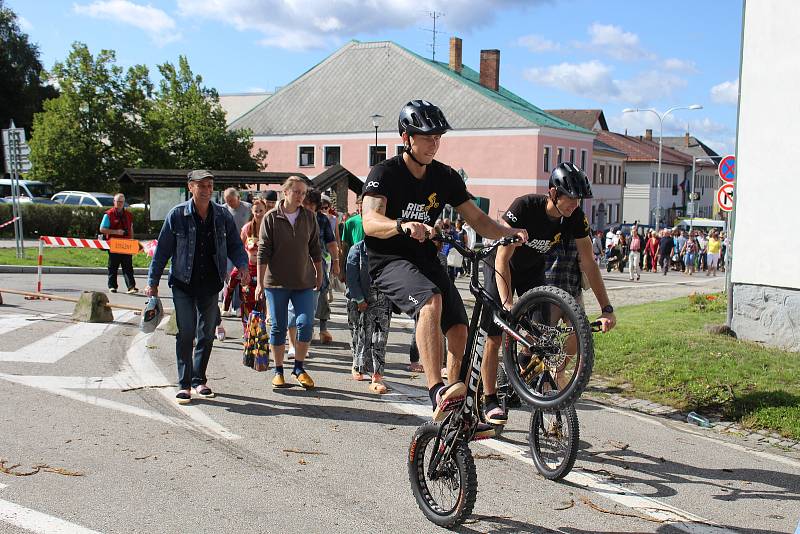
(118, 222)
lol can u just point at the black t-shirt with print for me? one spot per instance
(411, 199)
(528, 212)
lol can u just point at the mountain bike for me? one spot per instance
(440, 465)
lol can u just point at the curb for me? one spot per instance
(17, 269)
(604, 392)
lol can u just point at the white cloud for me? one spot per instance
(679, 65)
(155, 22)
(616, 42)
(594, 80)
(24, 24)
(537, 43)
(726, 92)
(305, 24)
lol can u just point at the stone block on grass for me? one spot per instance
(92, 307)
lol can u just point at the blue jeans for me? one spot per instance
(195, 317)
(303, 301)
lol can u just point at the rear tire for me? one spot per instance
(553, 437)
(448, 500)
(528, 320)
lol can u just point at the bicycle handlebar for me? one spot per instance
(468, 252)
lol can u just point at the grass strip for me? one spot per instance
(65, 257)
(661, 351)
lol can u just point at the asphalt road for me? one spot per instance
(97, 400)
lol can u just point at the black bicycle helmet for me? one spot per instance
(571, 181)
(422, 117)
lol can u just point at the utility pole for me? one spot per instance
(435, 15)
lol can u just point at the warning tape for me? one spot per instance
(9, 222)
(75, 242)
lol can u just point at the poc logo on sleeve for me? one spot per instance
(511, 216)
(373, 184)
(412, 299)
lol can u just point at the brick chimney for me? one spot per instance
(648, 134)
(688, 139)
(455, 54)
(490, 69)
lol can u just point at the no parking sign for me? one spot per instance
(727, 169)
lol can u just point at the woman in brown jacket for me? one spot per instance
(290, 269)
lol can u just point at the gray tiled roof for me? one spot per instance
(696, 147)
(361, 79)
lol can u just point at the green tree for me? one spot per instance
(93, 130)
(21, 88)
(190, 129)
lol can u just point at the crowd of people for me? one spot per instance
(669, 249)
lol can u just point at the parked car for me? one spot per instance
(35, 200)
(82, 198)
(27, 188)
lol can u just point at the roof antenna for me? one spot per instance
(434, 15)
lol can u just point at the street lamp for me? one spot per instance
(376, 122)
(661, 117)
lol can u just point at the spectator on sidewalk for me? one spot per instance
(270, 198)
(635, 254)
(689, 254)
(249, 237)
(118, 222)
(597, 246)
(199, 237)
(666, 246)
(240, 211)
(368, 314)
(651, 252)
(714, 245)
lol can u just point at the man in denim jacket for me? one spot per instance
(199, 236)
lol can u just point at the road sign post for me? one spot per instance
(16, 162)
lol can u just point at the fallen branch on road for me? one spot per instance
(296, 451)
(10, 470)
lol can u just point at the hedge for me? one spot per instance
(69, 221)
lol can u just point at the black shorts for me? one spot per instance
(409, 286)
(520, 283)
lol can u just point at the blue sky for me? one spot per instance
(556, 54)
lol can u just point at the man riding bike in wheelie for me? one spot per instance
(403, 197)
(550, 220)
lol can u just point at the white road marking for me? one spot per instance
(34, 521)
(661, 284)
(52, 348)
(416, 402)
(138, 370)
(9, 323)
(705, 436)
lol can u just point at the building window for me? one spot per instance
(594, 174)
(602, 174)
(594, 212)
(560, 155)
(546, 158)
(399, 149)
(333, 155)
(306, 156)
(376, 154)
(572, 155)
(583, 160)
(625, 178)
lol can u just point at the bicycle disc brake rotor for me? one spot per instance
(549, 345)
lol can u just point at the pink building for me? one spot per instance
(505, 146)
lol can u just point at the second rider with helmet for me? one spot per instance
(550, 220)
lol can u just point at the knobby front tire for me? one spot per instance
(553, 437)
(448, 500)
(531, 317)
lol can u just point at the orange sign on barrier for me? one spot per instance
(124, 246)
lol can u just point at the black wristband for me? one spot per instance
(608, 308)
(400, 226)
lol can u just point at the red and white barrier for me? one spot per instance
(74, 242)
(9, 222)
